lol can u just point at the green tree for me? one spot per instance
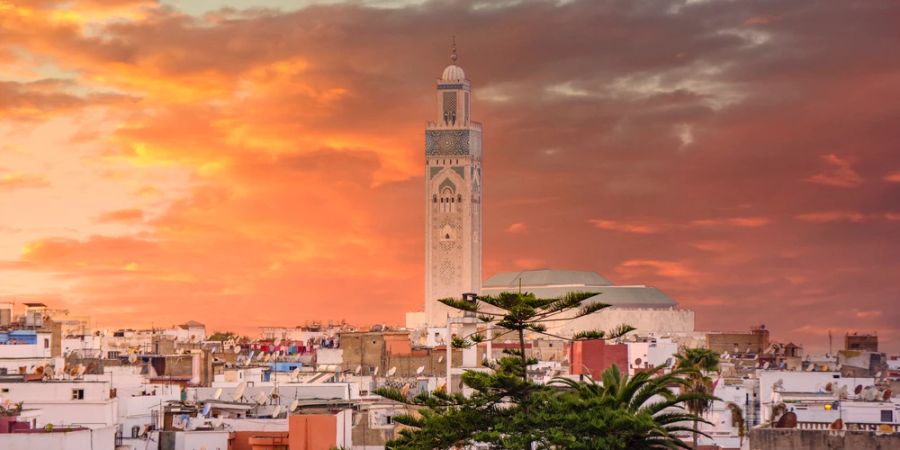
(643, 411)
(621, 413)
(222, 336)
(700, 362)
(445, 420)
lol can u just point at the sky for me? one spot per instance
(260, 162)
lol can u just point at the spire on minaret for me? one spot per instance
(453, 56)
(453, 72)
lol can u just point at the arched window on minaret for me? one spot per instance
(450, 108)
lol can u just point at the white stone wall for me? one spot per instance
(645, 320)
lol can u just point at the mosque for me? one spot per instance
(453, 232)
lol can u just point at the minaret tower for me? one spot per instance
(452, 195)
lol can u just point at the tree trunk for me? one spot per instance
(524, 358)
(695, 434)
(525, 378)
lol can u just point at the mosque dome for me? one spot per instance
(453, 73)
(549, 283)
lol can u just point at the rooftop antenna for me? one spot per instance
(829, 342)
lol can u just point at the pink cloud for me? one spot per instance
(741, 222)
(517, 228)
(841, 173)
(834, 216)
(626, 227)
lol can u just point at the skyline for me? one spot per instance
(243, 166)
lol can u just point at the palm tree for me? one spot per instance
(646, 400)
(699, 362)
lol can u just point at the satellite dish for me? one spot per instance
(375, 372)
(277, 342)
(295, 373)
(391, 372)
(878, 374)
(420, 370)
(239, 392)
(869, 394)
(293, 406)
(858, 389)
(261, 397)
(638, 361)
(357, 370)
(267, 357)
(80, 371)
(405, 390)
(276, 412)
(206, 409)
(441, 359)
(888, 393)
(237, 349)
(218, 394)
(766, 365)
(250, 356)
(132, 358)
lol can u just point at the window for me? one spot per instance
(46, 343)
(887, 416)
(135, 432)
(77, 394)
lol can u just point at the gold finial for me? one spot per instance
(453, 56)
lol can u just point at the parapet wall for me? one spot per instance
(793, 439)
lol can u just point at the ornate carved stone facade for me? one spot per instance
(452, 197)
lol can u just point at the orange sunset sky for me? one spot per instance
(260, 162)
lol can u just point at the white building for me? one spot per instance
(66, 402)
(649, 353)
(101, 438)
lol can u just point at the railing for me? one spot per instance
(895, 428)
